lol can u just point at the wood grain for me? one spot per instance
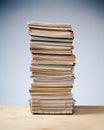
(20, 118)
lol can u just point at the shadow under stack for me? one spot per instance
(52, 68)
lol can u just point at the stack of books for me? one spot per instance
(51, 67)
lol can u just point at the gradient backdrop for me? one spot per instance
(87, 19)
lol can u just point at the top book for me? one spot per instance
(53, 26)
(50, 30)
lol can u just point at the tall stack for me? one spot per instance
(52, 68)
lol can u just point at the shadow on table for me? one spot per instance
(83, 110)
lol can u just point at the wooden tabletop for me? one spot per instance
(20, 118)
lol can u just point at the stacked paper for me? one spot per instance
(52, 67)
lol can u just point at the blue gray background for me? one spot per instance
(87, 19)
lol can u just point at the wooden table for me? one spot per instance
(20, 118)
